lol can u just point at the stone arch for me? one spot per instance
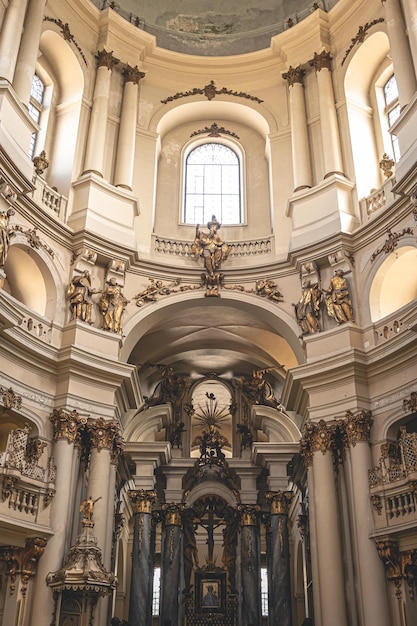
(211, 487)
(279, 320)
(392, 284)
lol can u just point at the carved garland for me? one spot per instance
(66, 33)
(360, 35)
(210, 91)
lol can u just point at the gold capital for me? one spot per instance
(279, 501)
(67, 425)
(173, 513)
(358, 427)
(249, 514)
(142, 500)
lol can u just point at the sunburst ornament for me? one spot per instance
(211, 414)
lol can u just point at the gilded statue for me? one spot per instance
(79, 294)
(6, 234)
(257, 390)
(267, 288)
(338, 302)
(112, 305)
(87, 508)
(210, 246)
(307, 309)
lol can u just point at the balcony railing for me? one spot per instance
(393, 483)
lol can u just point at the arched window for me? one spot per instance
(212, 185)
(392, 110)
(35, 108)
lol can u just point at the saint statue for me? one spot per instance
(210, 246)
(79, 294)
(338, 302)
(307, 309)
(6, 234)
(113, 304)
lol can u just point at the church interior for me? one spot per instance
(208, 320)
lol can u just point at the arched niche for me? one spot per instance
(393, 285)
(30, 280)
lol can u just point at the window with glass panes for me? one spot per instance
(212, 185)
(392, 110)
(264, 591)
(35, 107)
(156, 590)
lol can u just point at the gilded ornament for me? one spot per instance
(307, 309)
(386, 164)
(142, 500)
(294, 75)
(132, 74)
(279, 501)
(338, 302)
(410, 404)
(7, 232)
(249, 514)
(321, 61)
(358, 427)
(172, 514)
(41, 163)
(112, 306)
(67, 425)
(10, 399)
(210, 91)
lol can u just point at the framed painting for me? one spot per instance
(210, 592)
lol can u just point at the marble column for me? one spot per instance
(400, 51)
(28, 51)
(104, 441)
(250, 559)
(10, 35)
(96, 139)
(125, 154)
(280, 591)
(300, 145)
(67, 427)
(140, 605)
(410, 14)
(316, 447)
(370, 571)
(170, 564)
(332, 154)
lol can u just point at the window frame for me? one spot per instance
(237, 149)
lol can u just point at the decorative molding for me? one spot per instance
(10, 399)
(410, 404)
(22, 561)
(66, 33)
(33, 239)
(391, 242)
(210, 91)
(214, 131)
(361, 35)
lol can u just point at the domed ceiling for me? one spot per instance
(215, 27)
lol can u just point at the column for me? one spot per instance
(10, 37)
(96, 140)
(103, 438)
(370, 569)
(400, 51)
(280, 559)
(67, 427)
(250, 559)
(318, 441)
(125, 155)
(140, 605)
(170, 564)
(299, 133)
(28, 52)
(332, 155)
(410, 14)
